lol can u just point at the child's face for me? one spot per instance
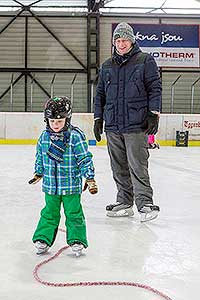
(57, 124)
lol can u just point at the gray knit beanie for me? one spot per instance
(123, 30)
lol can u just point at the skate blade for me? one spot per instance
(121, 213)
(78, 253)
(42, 252)
(145, 218)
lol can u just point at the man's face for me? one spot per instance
(57, 124)
(123, 45)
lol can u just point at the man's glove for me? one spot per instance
(91, 185)
(98, 129)
(35, 179)
(151, 123)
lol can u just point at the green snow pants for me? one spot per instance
(50, 218)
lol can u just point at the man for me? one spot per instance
(128, 99)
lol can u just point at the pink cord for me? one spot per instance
(89, 283)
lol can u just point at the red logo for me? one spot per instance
(192, 124)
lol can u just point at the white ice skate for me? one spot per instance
(149, 212)
(77, 249)
(41, 247)
(119, 210)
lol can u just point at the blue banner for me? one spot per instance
(164, 35)
(172, 45)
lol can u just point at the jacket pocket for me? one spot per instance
(111, 89)
(132, 89)
(109, 114)
(136, 113)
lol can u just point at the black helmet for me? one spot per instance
(58, 108)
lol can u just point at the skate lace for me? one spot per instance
(77, 247)
(89, 283)
(40, 245)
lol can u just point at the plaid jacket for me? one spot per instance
(64, 177)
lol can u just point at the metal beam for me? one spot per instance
(43, 70)
(11, 21)
(40, 86)
(8, 89)
(35, 2)
(57, 39)
(18, 2)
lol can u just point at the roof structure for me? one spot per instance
(153, 6)
(148, 7)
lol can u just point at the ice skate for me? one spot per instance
(119, 210)
(153, 146)
(41, 247)
(148, 212)
(157, 145)
(77, 249)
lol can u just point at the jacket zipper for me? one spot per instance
(56, 177)
(124, 99)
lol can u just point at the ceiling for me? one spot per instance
(153, 7)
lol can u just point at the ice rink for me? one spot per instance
(162, 254)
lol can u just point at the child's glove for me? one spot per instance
(35, 179)
(91, 185)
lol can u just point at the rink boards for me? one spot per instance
(25, 128)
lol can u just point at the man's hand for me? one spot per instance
(98, 129)
(91, 185)
(35, 179)
(151, 123)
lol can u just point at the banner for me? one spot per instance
(171, 45)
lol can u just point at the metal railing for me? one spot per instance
(172, 92)
(72, 90)
(192, 95)
(11, 92)
(31, 93)
(52, 85)
(192, 91)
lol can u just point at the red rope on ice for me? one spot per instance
(90, 283)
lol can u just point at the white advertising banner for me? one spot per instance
(183, 57)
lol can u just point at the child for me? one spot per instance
(62, 159)
(152, 144)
